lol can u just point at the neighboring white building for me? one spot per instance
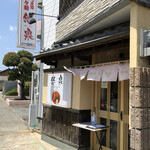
(6, 85)
(49, 7)
(46, 32)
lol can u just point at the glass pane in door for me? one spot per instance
(114, 97)
(103, 96)
(103, 121)
(113, 134)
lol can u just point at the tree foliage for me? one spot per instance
(13, 92)
(22, 67)
(11, 59)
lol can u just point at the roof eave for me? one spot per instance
(80, 46)
(119, 5)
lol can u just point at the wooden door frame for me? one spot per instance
(123, 89)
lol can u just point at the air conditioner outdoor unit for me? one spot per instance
(144, 43)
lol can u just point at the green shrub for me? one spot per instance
(13, 92)
(27, 87)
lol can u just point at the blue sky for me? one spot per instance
(8, 28)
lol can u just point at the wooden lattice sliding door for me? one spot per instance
(112, 109)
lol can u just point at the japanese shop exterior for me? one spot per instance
(99, 34)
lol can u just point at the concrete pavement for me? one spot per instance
(14, 133)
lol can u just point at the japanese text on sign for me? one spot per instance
(59, 89)
(26, 32)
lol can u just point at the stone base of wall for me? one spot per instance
(15, 97)
(60, 144)
(57, 124)
(140, 108)
(139, 139)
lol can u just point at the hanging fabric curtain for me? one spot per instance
(110, 73)
(75, 72)
(105, 73)
(95, 73)
(123, 71)
(83, 73)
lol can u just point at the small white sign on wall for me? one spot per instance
(59, 89)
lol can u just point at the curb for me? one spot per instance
(12, 103)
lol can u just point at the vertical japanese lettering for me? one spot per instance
(26, 18)
(60, 80)
(26, 5)
(53, 80)
(28, 34)
(32, 4)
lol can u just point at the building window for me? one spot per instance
(66, 6)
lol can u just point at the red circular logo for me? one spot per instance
(56, 97)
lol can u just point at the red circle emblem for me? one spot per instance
(56, 97)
